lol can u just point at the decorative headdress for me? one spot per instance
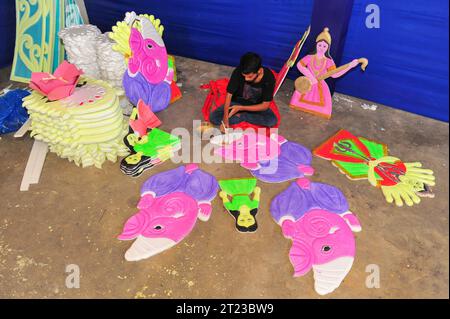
(324, 36)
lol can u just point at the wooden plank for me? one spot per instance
(34, 165)
(23, 129)
(39, 161)
(83, 11)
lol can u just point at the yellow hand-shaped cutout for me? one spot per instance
(412, 182)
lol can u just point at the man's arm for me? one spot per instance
(256, 107)
(232, 87)
(226, 108)
(249, 108)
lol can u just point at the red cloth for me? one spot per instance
(216, 97)
(175, 92)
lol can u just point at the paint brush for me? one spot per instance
(226, 133)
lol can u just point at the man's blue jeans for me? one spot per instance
(265, 118)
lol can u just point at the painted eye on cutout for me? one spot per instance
(157, 227)
(149, 46)
(326, 249)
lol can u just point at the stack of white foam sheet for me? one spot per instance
(80, 42)
(112, 65)
(91, 51)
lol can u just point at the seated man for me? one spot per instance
(249, 94)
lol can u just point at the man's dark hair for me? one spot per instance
(250, 63)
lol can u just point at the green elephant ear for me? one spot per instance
(238, 186)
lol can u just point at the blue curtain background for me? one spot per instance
(7, 31)
(408, 54)
(218, 31)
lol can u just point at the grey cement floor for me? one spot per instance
(74, 215)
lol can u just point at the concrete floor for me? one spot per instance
(74, 215)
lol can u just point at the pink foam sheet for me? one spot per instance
(251, 148)
(58, 85)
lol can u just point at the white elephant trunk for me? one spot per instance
(144, 247)
(327, 277)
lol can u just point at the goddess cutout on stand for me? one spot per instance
(311, 93)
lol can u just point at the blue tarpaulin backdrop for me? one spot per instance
(408, 54)
(218, 31)
(7, 31)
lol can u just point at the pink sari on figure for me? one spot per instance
(318, 99)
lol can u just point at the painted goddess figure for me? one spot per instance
(316, 67)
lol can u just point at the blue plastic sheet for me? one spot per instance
(12, 114)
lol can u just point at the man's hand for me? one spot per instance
(234, 109)
(248, 108)
(224, 126)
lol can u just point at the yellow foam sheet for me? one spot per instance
(88, 133)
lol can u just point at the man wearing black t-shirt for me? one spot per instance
(249, 94)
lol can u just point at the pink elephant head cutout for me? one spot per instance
(149, 55)
(251, 148)
(169, 207)
(323, 241)
(171, 216)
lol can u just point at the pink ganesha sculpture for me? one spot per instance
(149, 76)
(317, 219)
(170, 204)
